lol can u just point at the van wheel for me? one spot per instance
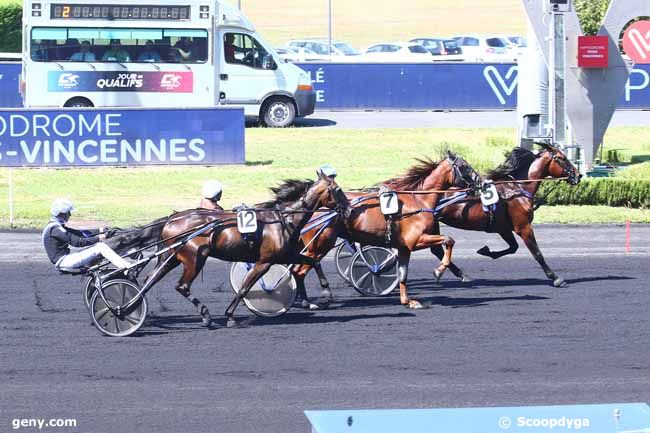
(78, 103)
(278, 112)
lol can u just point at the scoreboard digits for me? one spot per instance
(119, 12)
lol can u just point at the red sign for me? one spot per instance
(593, 51)
(636, 42)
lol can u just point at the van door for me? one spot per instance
(248, 71)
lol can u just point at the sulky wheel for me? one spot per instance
(272, 295)
(374, 271)
(118, 293)
(343, 259)
(88, 286)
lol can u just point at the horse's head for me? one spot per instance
(557, 164)
(325, 192)
(464, 175)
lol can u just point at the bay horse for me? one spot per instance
(276, 240)
(515, 209)
(409, 231)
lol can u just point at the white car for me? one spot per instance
(297, 55)
(319, 46)
(407, 52)
(485, 49)
(516, 45)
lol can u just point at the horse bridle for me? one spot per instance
(568, 171)
(470, 180)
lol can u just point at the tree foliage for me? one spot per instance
(591, 14)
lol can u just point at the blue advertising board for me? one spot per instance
(363, 86)
(121, 137)
(596, 418)
(9, 81)
(439, 86)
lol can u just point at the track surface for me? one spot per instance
(508, 338)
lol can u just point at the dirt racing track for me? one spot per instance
(507, 338)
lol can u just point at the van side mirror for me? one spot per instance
(268, 62)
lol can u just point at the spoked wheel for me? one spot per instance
(374, 271)
(88, 287)
(272, 295)
(343, 259)
(117, 293)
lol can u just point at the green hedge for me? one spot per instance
(605, 191)
(11, 16)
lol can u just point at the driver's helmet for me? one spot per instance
(60, 206)
(328, 170)
(212, 189)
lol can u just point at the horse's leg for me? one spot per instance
(299, 272)
(527, 234)
(403, 258)
(193, 260)
(251, 278)
(439, 252)
(428, 241)
(325, 294)
(512, 247)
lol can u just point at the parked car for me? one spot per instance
(516, 45)
(319, 46)
(293, 55)
(479, 48)
(448, 49)
(407, 52)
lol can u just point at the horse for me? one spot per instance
(276, 239)
(517, 181)
(409, 231)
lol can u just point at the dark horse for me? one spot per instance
(407, 231)
(515, 209)
(275, 241)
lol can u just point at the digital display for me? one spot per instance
(119, 12)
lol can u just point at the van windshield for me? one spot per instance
(124, 45)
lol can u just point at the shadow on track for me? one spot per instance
(303, 122)
(443, 301)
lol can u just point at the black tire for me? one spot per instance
(366, 276)
(78, 103)
(278, 112)
(118, 292)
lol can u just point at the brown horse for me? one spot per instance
(276, 239)
(409, 229)
(515, 209)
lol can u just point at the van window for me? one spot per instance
(118, 45)
(243, 49)
(470, 42)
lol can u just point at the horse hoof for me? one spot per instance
(416, 305)
(466, 279)
(324, 304)
(485, 251)
(310, 306)
(559, 282)
(437, 275)
(232, 323)
(206, 320)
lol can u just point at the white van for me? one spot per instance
(165, 54)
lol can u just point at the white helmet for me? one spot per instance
(212, 188)
(61, 205)
(328, 170)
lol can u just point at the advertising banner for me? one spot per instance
(111, 81)
(121, 137)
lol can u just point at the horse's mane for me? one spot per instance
(516, 165)
(414, 176)
(290, 190)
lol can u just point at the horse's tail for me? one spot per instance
(138, 237)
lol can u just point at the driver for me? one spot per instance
(211, 192)
(57, 239)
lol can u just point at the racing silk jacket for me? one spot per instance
(57, 239)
